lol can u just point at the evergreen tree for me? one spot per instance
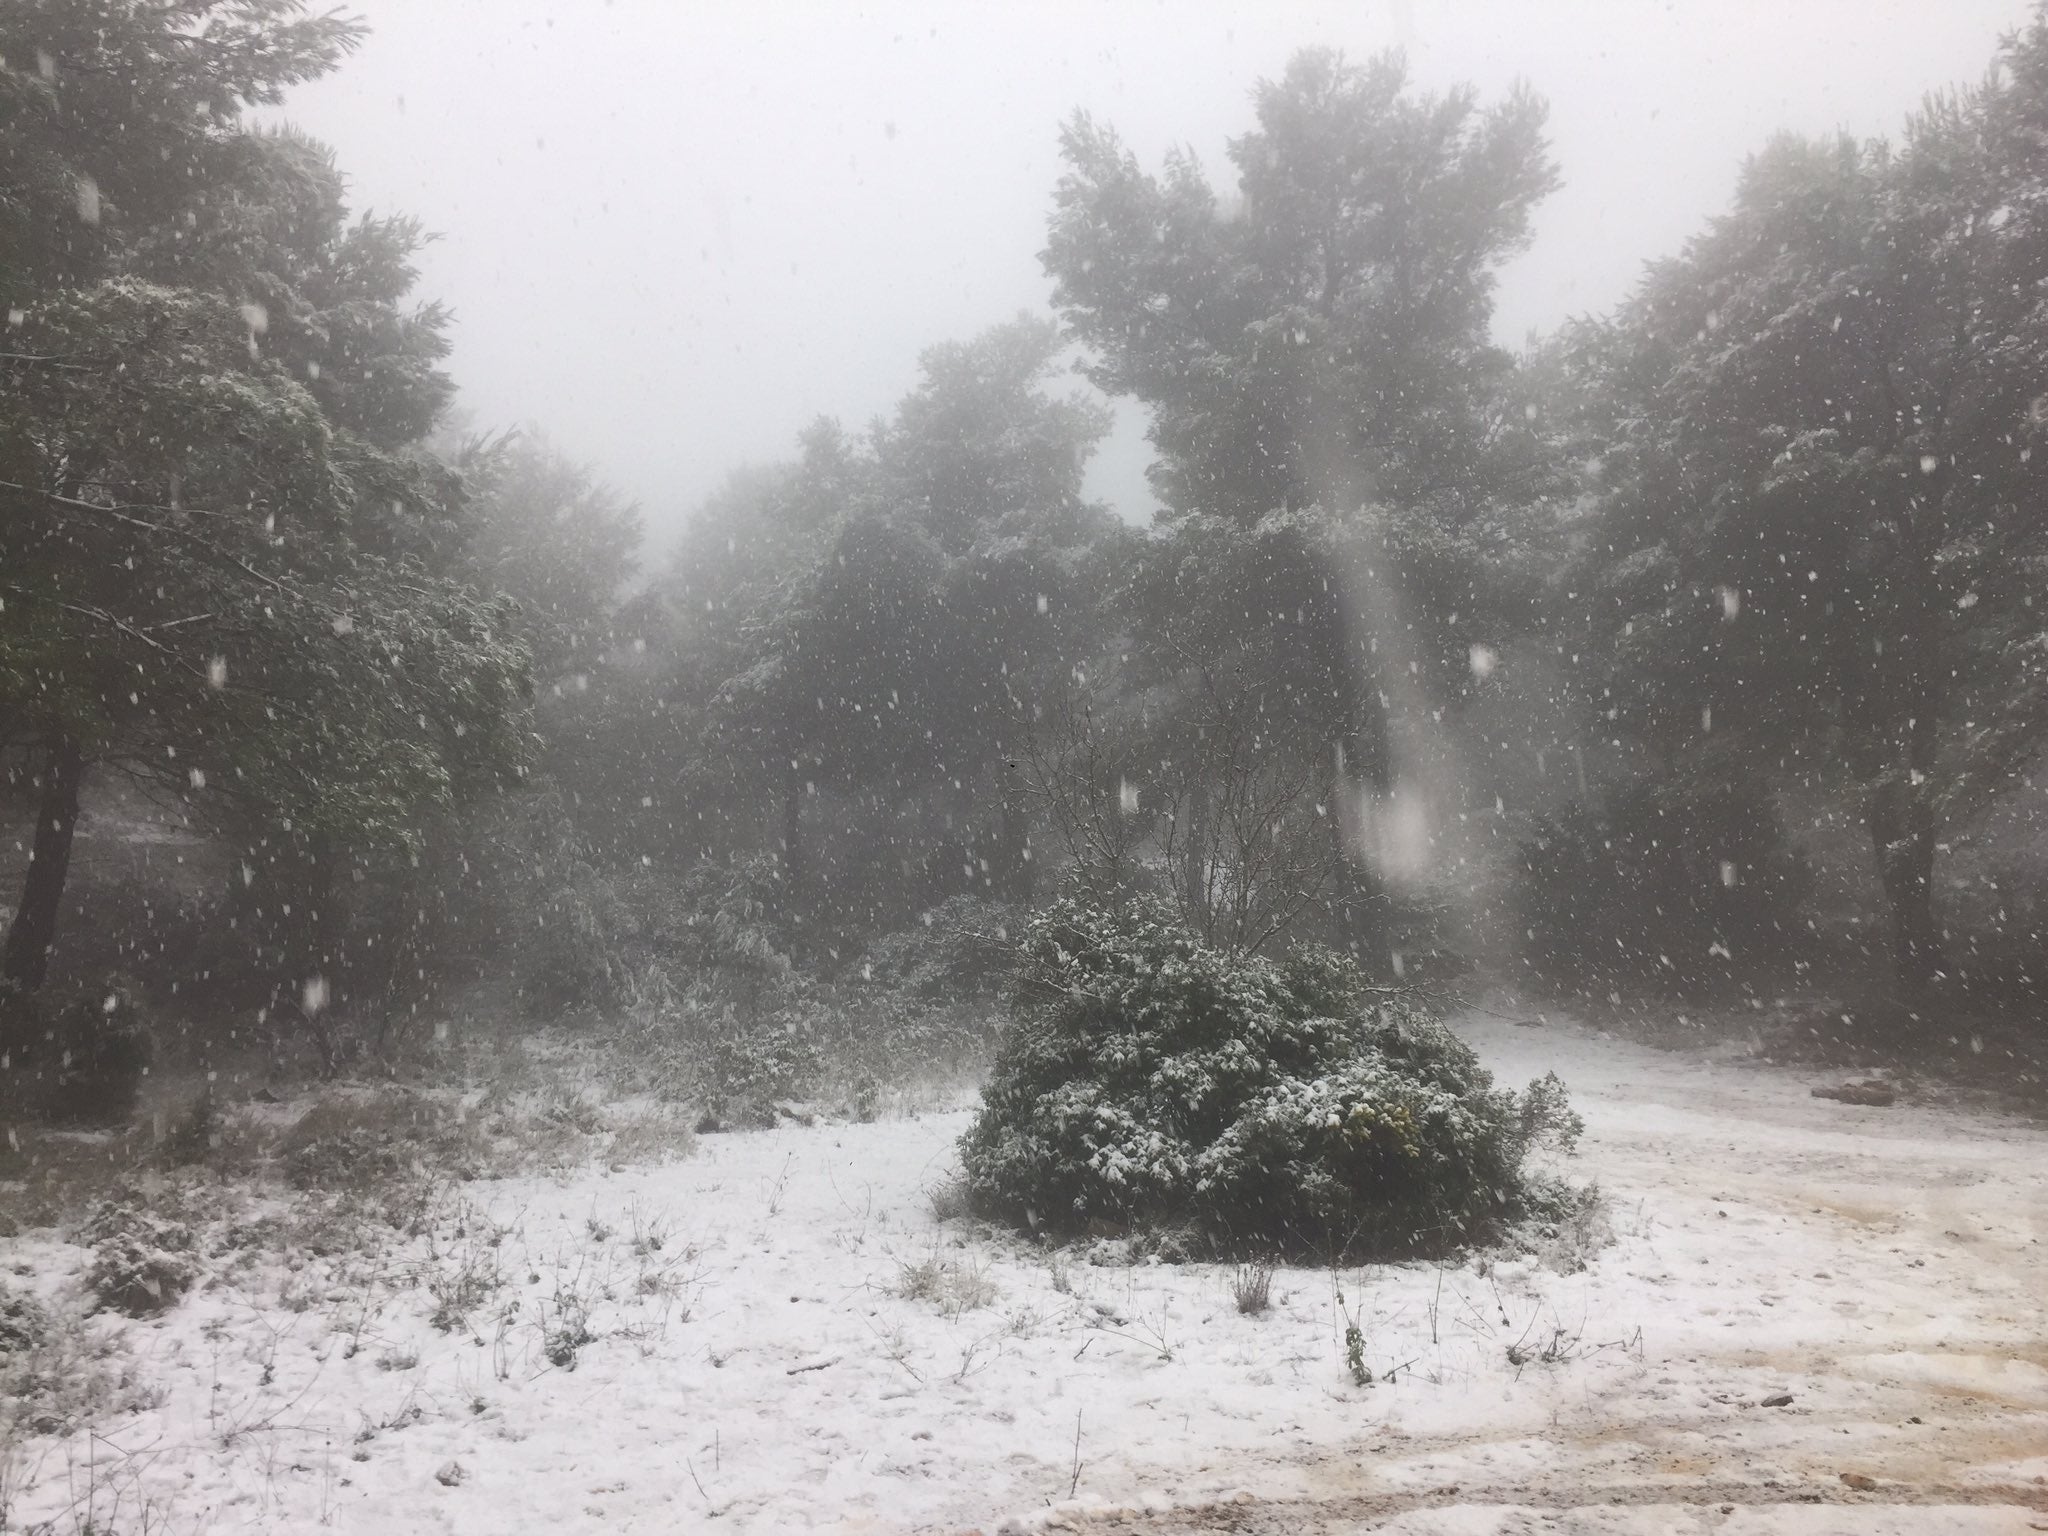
(1820, 548)
(226, 567)
(1350, 483)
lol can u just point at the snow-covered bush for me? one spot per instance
(142, 1263)
(57, 1374)
(726, 1015)
(363, 1140)
(24, 1323)
(1148, 1080)
(733, 1050)
(740, 1058)
(579, 952)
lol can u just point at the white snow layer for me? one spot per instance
(764, 1370)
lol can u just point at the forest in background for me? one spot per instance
(1688, 655)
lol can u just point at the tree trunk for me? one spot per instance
(1191, 880)
(794, 871)
(1902, 832)
(1901, 810)
(1354, 896)
(322, 974)
(1013, 838)
(25, 961)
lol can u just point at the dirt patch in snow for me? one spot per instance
(1961, 1050)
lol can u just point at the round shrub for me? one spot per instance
(142, 1263)
(1149, 1080)
(24, 1324)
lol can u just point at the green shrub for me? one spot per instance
(731, 1019)
(575, 956)
(741, 1059)
(871, 1031)
(735, 1044)
(596, 931)
(142, 1263)
(1148, 1080)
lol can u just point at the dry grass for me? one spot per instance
(953, 1285)
(948, 1199)
(1251, 1287)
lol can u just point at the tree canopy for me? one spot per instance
(1819, 540)
(228, 562)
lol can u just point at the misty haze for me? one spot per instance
(1072, 767)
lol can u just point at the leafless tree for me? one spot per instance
(1245, 810)
(1080, 767)
(1198, 786)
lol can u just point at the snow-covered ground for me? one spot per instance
(811, 1348)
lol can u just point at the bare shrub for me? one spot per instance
(564, 1334)
(948, 1199)
(951, 1285)
(58, 1372)
(1251, 1287)
(458, 1289)
(1572, 1233)
(365, 1139)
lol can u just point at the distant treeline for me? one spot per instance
(1772, 531)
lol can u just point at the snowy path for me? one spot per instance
(1885, 1267)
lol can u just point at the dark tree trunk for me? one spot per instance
(1902, 832)
(1901, 808)
(796, 866)
(322, 966)
(1358, 908)
(794, 870)
(327, 917)
(25, 961)
(1193, 874)
(1355, 897)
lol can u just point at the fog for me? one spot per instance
(580, 951)
(675, 233)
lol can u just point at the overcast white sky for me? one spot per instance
(673, 231)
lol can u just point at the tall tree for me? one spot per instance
(1326, 399)
(1821, 547)
(119, 117)
(872, 603)
(186, 598)
(223, 563)
(1325, 337)
(551, 535)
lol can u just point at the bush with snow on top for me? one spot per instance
(1150, 1080)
